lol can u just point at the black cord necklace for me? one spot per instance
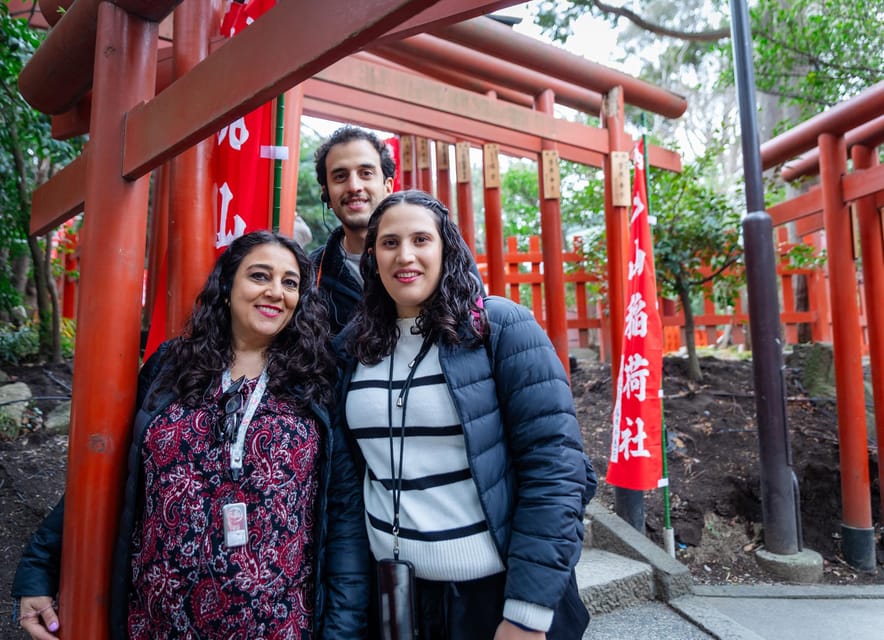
(401, 401)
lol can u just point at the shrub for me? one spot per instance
(17, 344)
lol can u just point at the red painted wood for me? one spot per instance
(551, 234)
(108, 326)
(871, 236)
(852, 436)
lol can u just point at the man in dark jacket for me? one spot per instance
(355, 171)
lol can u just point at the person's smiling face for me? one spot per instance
(263, 295)
(408, 251)
(355, 182)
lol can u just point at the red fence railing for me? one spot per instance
(587, 310)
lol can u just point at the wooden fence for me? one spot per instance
(587, 311)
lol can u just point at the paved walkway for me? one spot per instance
(756, 612)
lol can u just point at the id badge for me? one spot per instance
(236, 526)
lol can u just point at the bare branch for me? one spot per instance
(692, 36)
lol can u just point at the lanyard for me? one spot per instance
(401, 401)
(236, 449)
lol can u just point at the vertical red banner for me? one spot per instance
(636, 460)
(241, 167)
(244, 155)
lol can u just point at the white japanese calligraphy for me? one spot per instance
(638, 208)
(636, 268)
(627, 439)
(239, 134)
(224, 238)
(636, 373)
(636, 319)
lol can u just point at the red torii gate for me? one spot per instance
(856, 126)
(111, 48)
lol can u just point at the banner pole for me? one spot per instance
(668, 532)
(277, 162)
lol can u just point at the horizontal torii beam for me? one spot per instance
(854, 185)
(228, 84)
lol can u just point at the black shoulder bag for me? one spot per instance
(396, 588)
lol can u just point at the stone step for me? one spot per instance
(608, 581)
(608, 532)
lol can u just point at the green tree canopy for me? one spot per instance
(29, 155)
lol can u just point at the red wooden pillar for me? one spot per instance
(871, 235)
(616, 223)
(424, 175)
(69, 286)
(465, 218)
(288, 197)
(493, 220)
(443, 174)
(191, 210)
(818, 294)
(406, 156)
(109, 323)
(551, 235)
(857, 531)
(158, 243)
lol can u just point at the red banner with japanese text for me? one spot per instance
(241, 166)
(243, 155)
(636, 460)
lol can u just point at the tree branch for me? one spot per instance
(692, 36)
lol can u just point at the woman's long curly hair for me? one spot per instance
(453, 313)
(299, 356)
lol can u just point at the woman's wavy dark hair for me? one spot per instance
(453, 312)
(299, 355)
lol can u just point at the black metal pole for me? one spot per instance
(779, 489)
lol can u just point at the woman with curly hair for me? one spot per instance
(474, 476)
(242, 506)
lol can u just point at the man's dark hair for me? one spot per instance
(349, 133)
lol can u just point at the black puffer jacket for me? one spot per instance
(338, 287)
(341, 544)
(524, 447)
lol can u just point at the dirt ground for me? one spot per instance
(713, 454)
(713, 467)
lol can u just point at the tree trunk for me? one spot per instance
(684, 297)
(49, 329)
(44, 310)
(54, 353)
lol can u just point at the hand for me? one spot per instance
(38, 617)
(506, 630)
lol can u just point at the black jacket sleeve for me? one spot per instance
(40, 564)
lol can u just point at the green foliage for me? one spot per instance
(28, 157)
(816, 53)
(68, 337)
(804, 256)
(320, 219)
(810, 54)
(581, 203)
(697, 235)
(18, 344)
(520, 202)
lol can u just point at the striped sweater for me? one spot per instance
(442, 527)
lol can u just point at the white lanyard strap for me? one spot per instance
(236, 449)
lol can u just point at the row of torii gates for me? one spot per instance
(843, 214)
(148, 104)
(149, 96)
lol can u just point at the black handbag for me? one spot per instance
(396, 599)
(396, 588)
